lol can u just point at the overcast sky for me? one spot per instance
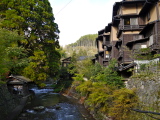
(77, 18)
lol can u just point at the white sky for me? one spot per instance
(81, 17)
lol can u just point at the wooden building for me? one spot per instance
(66, 61)
(135, 25)
(18, 85)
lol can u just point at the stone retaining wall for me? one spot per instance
(7, 102)
(148, 91)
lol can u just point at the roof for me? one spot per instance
(100, 32)
(101, 52)
(147, 6)
(137, 40)
(100, 37)
(148, 27)
(116, 7)
(108, 28)
(129, 15)
(18, 79)
(67, 59)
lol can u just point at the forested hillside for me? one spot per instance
(86, 45)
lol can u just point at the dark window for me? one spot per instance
(131, 21)
(127, 21)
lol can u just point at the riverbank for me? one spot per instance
(13, 114)
(8, 102)
(11, 105)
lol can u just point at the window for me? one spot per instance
(127, 21)
(139, 46)
(131, 21)
(107, 56)
(136, 37)
(143, 46)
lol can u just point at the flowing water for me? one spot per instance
(47, 105)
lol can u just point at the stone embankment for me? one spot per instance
(148, 90)
(10, 105)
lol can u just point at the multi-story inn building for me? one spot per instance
(135, 25)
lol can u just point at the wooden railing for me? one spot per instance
(131, 27)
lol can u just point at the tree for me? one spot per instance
(12, 57)
(33, 19)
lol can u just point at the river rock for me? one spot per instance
(57, 107)
(39, 108)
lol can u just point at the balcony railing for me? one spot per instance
(129, 27)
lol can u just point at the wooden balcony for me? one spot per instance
(129, 28)
(106, 43)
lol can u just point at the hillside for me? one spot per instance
(86, 45)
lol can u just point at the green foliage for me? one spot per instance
(156, 56)
(64, 81)
(78, 77)
(108, 100)
(35, 21)
(147, 71)
(13, 58)
(123, 101)
(143, 54)
(100, 97)
(62, 52)
(37, 68)
(109, 75)
(17, 57)
(42, 85)
(83, 88)
(2, 82)
(103, 90)
(86, 40)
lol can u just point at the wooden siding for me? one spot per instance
(141, 21)
(114, 52)
(158, 33)
(126, 53)
(127, 38)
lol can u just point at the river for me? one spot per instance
(47, 105)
